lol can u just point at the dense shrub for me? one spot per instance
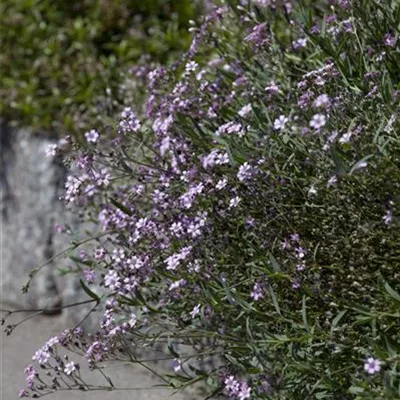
(62, 61)
(255, 205)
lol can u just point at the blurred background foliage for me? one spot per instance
(62, 62)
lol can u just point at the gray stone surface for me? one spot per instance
(30, 183)
(30, 187)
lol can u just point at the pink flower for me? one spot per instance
(176, 365)
(257, 292)
(390, 40)
(22, 393)
(41, 356)
(372, 365)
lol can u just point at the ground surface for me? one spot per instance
(17, 350)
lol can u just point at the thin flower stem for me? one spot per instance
(73, 247)
(46, 309)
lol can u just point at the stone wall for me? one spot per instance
(30, 187)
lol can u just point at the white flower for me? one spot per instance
(92, 136)
(272, 88)
(222, 158)
(320, 81)
(176, 365)
(245, 392)
(388, 217)
(173, 262)
(263, 3)
(191, 66)
(200, 75)
(176, 228)
(133, 320)
(389, 127)
(221, 184)
(312, 191)
(346, 137)
(111, 280)
(279, 123)
(103, 177)
(300, 43)
(195, 311)
(322, 101)
(70, 368)
(332, 180)
(245, 172)
(234, 202)
(318, 121)
(176, 284)
(52, 341)
(51, 150)
(245, 110)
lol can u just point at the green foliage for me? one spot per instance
(61, 62)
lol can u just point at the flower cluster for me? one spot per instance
(57, 371)
(237, 390)
(241, 209)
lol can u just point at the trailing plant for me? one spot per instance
(255, 205)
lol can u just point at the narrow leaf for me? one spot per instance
(392, 292)
(274, 301)
(304, 314)
(121, 207)
(275, 265)
(337, 319)
(360, 164)
(89, 292)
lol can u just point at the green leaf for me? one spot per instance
(360, 164)
(254, 370)
(89, 292)
(392, 292)
(172, 350)
(304, 314)
(274, 300)
(130, 302)
(285, 139)
(121, 207)
(356, 390)
(144, 302)
(214, 393)
(276, 267)
(79, 261)
(248, 329)
(338, 161)
(337, 319)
